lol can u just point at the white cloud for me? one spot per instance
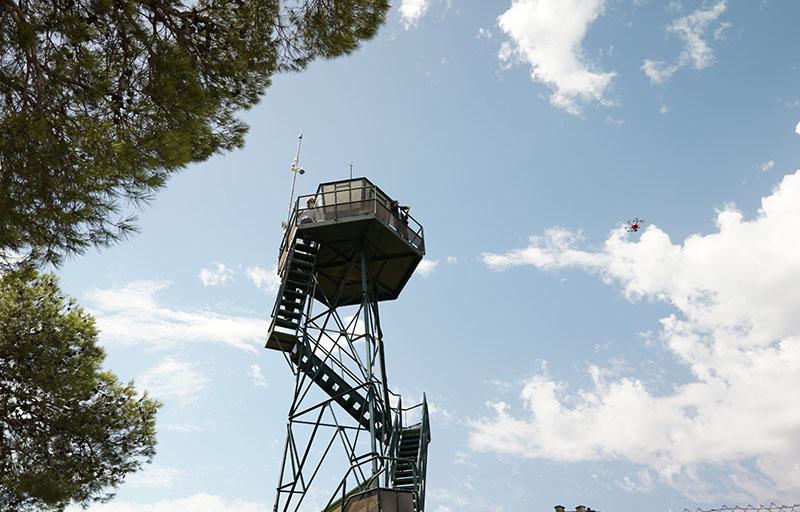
(547, 34)
(154, 477)
(658, 71)
(766, 166)
(690, 29)
(267, 280)
(484, 33)
(258, 376)
(171, 380)
(133, 314)
(736, 330)
(556, 249)
(719, 33)
(412, 10)
(674, 6)
(200, 502)
(452, 260)
(464, 498)
(220, 275)
(644, 482)
(664, 109)
(797, 129)
(696, 51)
(181, 427)
(426, 267)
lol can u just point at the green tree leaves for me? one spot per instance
(100, 101)
(69, 431)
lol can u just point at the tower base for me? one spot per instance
(380, 500)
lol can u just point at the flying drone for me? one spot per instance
(634, 225)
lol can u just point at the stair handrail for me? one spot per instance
(394, 441)
(282, 269)
(422, 452)
(286, 247)
(401, 411)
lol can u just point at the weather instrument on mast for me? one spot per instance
(346, 248)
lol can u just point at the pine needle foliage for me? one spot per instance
(102, 100)
(69, 431)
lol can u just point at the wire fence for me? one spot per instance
(772, 507)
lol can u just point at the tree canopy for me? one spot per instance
(102, 100)
(69, 431)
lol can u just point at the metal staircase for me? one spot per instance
(408, 453)
(297, 280)
(349, 398)
(411, 457)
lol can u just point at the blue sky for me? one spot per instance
(568, 362)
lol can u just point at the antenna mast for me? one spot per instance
(294, 169)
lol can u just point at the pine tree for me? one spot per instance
(102, 100)
(69, 431)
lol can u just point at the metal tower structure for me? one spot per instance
(346, 248)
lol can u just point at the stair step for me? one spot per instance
(292, 294)
(302, 247)
(286, 324)
(297, 285)
(302, 256)
(291, 305)
(299, 277)
(301, 263)
(287, 313)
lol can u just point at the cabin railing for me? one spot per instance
(346, 203)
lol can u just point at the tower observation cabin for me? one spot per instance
(346, 248)
(340, 222)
